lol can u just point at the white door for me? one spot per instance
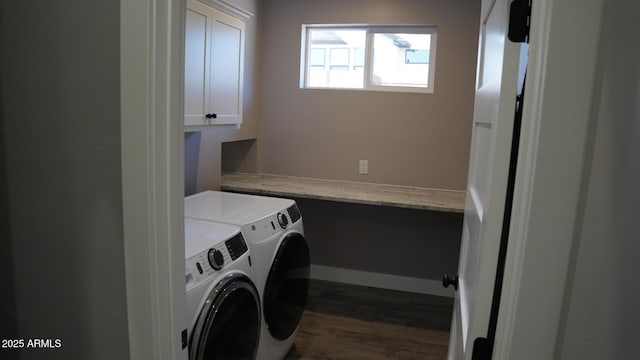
(496, 84)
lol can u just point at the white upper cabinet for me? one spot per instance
(214, 59)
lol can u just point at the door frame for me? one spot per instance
(557, 120)
(556, 123)
(151, 75)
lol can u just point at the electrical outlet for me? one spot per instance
(363, 168)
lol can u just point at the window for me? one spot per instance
(389, 58)
(316, 57)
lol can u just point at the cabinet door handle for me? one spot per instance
(211, 116)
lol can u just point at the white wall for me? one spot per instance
(601, 313)
(61, 118)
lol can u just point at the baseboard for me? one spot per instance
(378, 280)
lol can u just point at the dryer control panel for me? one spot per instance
(294, 213)
(282, 220)
(266, 228)
(273, 224)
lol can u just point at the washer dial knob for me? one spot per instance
(282, 220)
(215, 259)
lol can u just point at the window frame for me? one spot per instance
(370, 30)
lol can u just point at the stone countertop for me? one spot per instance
(451, 201)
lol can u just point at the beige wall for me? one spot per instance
(408, 139)
(209, 141)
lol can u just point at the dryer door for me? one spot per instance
(285, 293)
(228, 326)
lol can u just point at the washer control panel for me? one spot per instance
(236, 246)
(216, 259)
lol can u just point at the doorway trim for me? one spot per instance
(556, 123)
(151, 75)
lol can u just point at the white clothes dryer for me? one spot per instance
(274, 230)
(223, 304)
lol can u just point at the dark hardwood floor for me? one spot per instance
(354, 322)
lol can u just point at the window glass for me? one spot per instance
(340, 70)
(393, 58)
(415, 56)
(339, 58)
(390, 67)
(358, 57)
(317, 57)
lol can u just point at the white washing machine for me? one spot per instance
(223, 303)
(275, 234)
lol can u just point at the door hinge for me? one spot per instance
(519, 21)
(482, 349)
(184, 339)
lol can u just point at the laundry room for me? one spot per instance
(99, 260)
(378, 175)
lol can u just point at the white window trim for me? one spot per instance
(371, 30)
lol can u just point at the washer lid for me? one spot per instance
(202, 235)
(232, 208)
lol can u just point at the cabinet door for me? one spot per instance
(214, 63)
(197, 63)
(227, 60)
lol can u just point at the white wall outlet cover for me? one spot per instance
(363, 167)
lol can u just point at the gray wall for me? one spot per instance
(601, 309)
(192, 142)
(240, 156)
(209, 144)
(409, 139)
(404, 242)
(61, 119)
(8, 329)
